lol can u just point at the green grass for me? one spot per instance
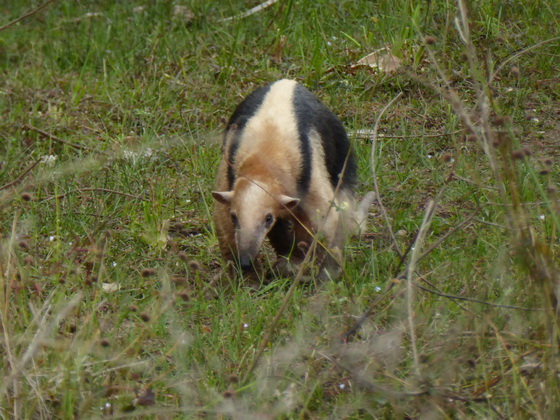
(113, 299)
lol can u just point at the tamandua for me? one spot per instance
(287, 173)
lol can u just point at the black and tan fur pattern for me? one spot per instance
(283, 159)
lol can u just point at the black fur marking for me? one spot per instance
(303, 106)
(313, 114)
(282, 237)
(242, 114)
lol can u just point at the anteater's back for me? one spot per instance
(285, 121)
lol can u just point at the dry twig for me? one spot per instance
(25, 16)
(93, 189)
(20, 176)
(482, 302)
(58, 139)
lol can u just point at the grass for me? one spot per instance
(112, 298)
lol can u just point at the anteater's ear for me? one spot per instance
(288, 202)
(223, 197)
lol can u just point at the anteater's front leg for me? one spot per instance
(290, 239)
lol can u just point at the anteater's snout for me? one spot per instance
(246, 263)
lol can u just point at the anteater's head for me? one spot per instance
(254, 209)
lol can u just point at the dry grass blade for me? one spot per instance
(358, 324)
(411, 268)
(375, 184)
(442, 239)
(250, 12)
(45, 329)
(519, 54)
(372, 387)
(272, 326)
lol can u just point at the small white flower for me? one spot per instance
(51, 238)
(341, 386)
(535, 120)
(541, 217)
(136, 156)
(377, 289)
(110, 287)
(128, 154)
(114, 264)
(508, 90)
(245, 326)
(48, 160)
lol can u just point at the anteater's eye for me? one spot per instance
(269, 218)
(234, 219)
